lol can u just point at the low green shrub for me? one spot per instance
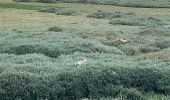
(133, 94)
(151, 32)
(139, 20)
(161, 31)
(106, 15)
(130, 50)
(68, 12)
(163, 55)
(148, 49)
(52, 44)
(90, 83)
(61, 11)
(22, 86)
(55, 29)
(162, 44)
(55, 51)
(49, 10)
(126, 22)
(29, 49)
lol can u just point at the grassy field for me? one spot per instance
(127, 3)
(127, 51)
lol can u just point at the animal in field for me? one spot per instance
(121, 40)
(80, 62)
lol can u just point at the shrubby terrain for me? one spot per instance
(127, 52)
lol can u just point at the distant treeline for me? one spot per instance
(128, 3)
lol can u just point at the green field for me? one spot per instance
(126, 47)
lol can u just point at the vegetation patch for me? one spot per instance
(55, 45)
(162, 44)
(106, 15)
(128, 60)
(155, 32)
(138, 20)
(90, 83)
(61, 11)
(21, 6)
(30, 49)
(126, 22)
(55, 29)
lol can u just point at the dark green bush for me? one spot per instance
(55, 29)
(23, 86)
(49, 10)
(149, 49)
(105, 15)
(29, 49)
(162, 44)
(155, 31)
(139, 20)
(130, 51)
(60, 11)
(126, 22)
(143, 79)
(55, 45)
(85, 84)
(133, 94)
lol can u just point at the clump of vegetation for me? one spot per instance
(127, 3)
(138, 20)
(30, 49)
(154, 32)
(126, 22)
(162, 44)
(61, 11)
(69, 12)
(55, 45)
(107, 15)
(161, 55)
(148, 49)
(55, 29)
(49, 10)
(94, 83)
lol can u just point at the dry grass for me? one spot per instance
(14, 18)
(29, 19)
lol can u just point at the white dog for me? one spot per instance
(80, 62)
(121, 40)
